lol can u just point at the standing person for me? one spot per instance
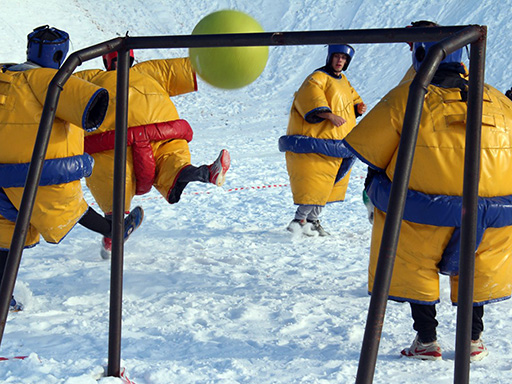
(429, 239)
(59, 204)
(323, 112)
(158, 153)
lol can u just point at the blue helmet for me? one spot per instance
(420, 50)
(47, 46)
(340, 48)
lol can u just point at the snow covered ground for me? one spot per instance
(215, 289)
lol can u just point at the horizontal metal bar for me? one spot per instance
(362, 36)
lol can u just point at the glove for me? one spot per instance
(369, 206)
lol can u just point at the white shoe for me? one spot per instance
(296, 226)
(301, 227)
(423, 351)
(477, 350)
(106, 248)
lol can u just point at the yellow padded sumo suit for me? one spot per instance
(158, 138)
(430, 236)
(314, 172)
(59, 202)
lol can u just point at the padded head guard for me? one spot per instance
(47, 46)
(340, 48)
(110, 60)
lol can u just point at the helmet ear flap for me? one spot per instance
(420, 51)
(58, 57)
(420, 54)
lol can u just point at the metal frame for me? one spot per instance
(452, 38)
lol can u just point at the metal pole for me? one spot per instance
(366, 36)
(469, 211)
(391, 232)
(116, 279)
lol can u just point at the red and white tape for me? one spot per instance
(13, 358)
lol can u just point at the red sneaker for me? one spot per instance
(219, 168)
(477, 350)
(423, 351)
(131, 223)
(106, 248)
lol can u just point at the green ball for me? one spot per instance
(228, 67)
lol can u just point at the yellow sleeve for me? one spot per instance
(311, 95)
(355, 96)
(377, 136)
(176, 76)
(87, 74)
(80, 102)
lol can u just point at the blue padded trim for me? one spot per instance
(55, 171)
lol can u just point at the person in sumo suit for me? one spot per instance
(323, 112)
(158, 154)
(429, 242)
(59, 204)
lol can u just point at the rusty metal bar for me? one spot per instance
(469, 211)
(116, 275)
(354, 36)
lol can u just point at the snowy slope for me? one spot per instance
(216, 290)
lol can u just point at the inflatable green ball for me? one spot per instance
(228, 67)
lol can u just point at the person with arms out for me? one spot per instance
(158, 153)
(429, 242)
(59, 204)
(323, 112)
